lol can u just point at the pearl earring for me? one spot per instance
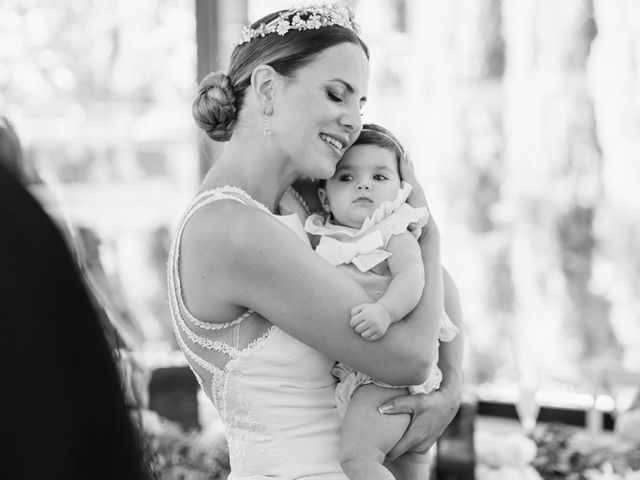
(268, 111)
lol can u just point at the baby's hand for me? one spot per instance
(370, 320)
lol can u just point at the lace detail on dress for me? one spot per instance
(223, 193)
(217, 326)
(209, 367)
(243, 427)
(258, 342)
(207, 343)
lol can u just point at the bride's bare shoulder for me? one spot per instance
(223, 223)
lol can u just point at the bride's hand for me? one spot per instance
(417, 198)
(430, 415)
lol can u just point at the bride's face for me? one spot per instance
(317, 113)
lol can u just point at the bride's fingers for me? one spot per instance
(407, 172)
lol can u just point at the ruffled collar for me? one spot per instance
(363, 247)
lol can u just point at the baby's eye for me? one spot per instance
(380, 177)
(345, 178)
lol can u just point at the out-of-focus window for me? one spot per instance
(100, 95)
(522, 122)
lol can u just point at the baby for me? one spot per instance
(371, 232)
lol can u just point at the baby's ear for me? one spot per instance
(324, 199)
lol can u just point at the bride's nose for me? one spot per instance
(351, 118)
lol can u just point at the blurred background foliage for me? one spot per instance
(523, 118)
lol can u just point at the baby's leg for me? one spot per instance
(368, 435)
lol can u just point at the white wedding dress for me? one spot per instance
(275, 395)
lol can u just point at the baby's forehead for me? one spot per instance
(368, 156)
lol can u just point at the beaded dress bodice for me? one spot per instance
(274, 394)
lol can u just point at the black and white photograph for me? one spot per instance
(339, 240)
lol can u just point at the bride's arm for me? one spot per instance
(432, 413)
(234, 255)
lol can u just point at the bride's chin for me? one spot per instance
(324, 170)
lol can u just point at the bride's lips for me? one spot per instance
(335, 143)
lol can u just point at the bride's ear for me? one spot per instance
(263, 81)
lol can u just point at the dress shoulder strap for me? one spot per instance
(227, 192)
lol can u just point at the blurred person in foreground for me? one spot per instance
(10, 149)
(123, 335)
(65, 415)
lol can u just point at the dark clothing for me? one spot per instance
(61, 402)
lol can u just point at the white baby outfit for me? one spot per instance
(360, 252)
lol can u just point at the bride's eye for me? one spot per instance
(333, 96)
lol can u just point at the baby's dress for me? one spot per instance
(274, 394)
(361, 254)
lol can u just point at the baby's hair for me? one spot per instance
(373, 134)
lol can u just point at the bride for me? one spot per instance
(259, 316)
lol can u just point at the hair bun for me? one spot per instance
(214, 108)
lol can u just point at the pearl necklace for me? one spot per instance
(294, 193)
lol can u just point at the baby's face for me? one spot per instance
(366, 176)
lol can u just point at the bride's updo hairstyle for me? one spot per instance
(220, 100)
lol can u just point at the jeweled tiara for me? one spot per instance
(315, 16)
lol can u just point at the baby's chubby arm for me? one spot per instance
(407, 276)
(372, 320)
